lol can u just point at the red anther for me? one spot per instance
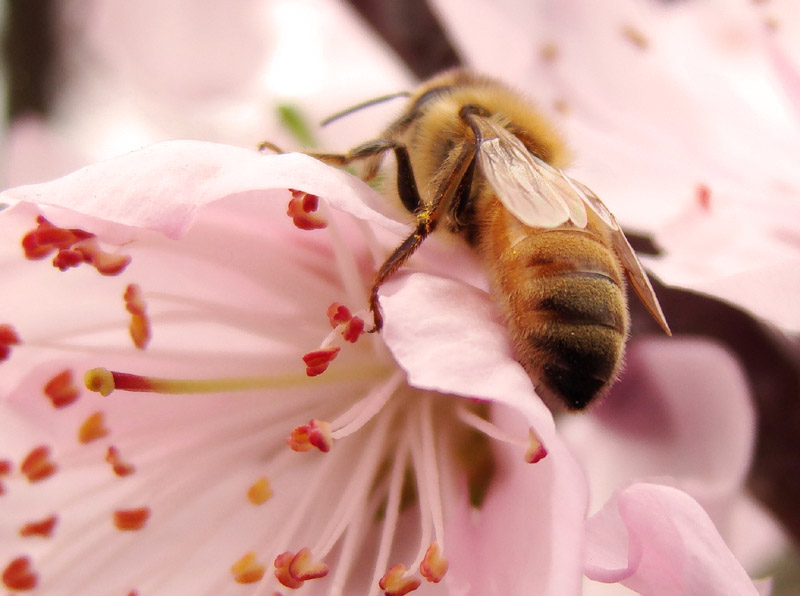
(703, 195)
(105, 263)
(282, 562)
(109, 264)
(434, 565)
(68, 258)
(301, 209)
(317, 361)
(353, 330)
(131, 519)
(5, 466)
(8, 338)
(120, 467)
(395, 582)
(19, 575)
(93, 428)
(536, 451)
(61, 389)
(338, 314)
(317, 433)
(43, 528)
(248, 570)
(303, 567)
(37, 464)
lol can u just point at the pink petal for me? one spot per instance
(448, 338)
(681, 411)
(162, 186)
(658, 541)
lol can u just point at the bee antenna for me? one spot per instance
(365, 104)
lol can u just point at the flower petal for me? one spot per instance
(448, 337)
(658, 541)
(162, 186)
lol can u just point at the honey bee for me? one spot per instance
(475, 159)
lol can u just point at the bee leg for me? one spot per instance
(427, 216)
(372, 152)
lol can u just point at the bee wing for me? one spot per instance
(536, 193)
(625, 253)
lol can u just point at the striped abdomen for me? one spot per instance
(563, 299)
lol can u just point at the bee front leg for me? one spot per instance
(427, 215)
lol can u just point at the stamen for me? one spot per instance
(353, 330)
(140, 323)
(395, 582)
(131, 519)
(434, 565)
(248, 570)
(8, 338)
(43, 528)
(304, 568)
(338, 314)
(282, 562)
(317, 433)
(74, 247)
(93, 428)
(37, 465)
(534, 450)
(259, 492)
(61, 389)
(104, 381)
(120, 467)
(317, 361)
(19, 575)
(302, 208)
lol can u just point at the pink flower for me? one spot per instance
(212, 283)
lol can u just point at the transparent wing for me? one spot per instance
(626, 255)
(538, 194)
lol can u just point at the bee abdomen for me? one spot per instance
(566, 310)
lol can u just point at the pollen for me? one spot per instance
(434, 565)
(131, 519)
(61, 389)
(317, 433)
(139, 327)
(317, 361)
(302, 209)
(248, 570)
(8, 338)
(37, 465)
(19, 575)
(43, 528)
(396, 582)
(120, 467)
(93, 428)
(259, 492)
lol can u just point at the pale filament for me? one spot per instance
(365, 409)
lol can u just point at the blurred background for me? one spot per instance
(83, 80)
